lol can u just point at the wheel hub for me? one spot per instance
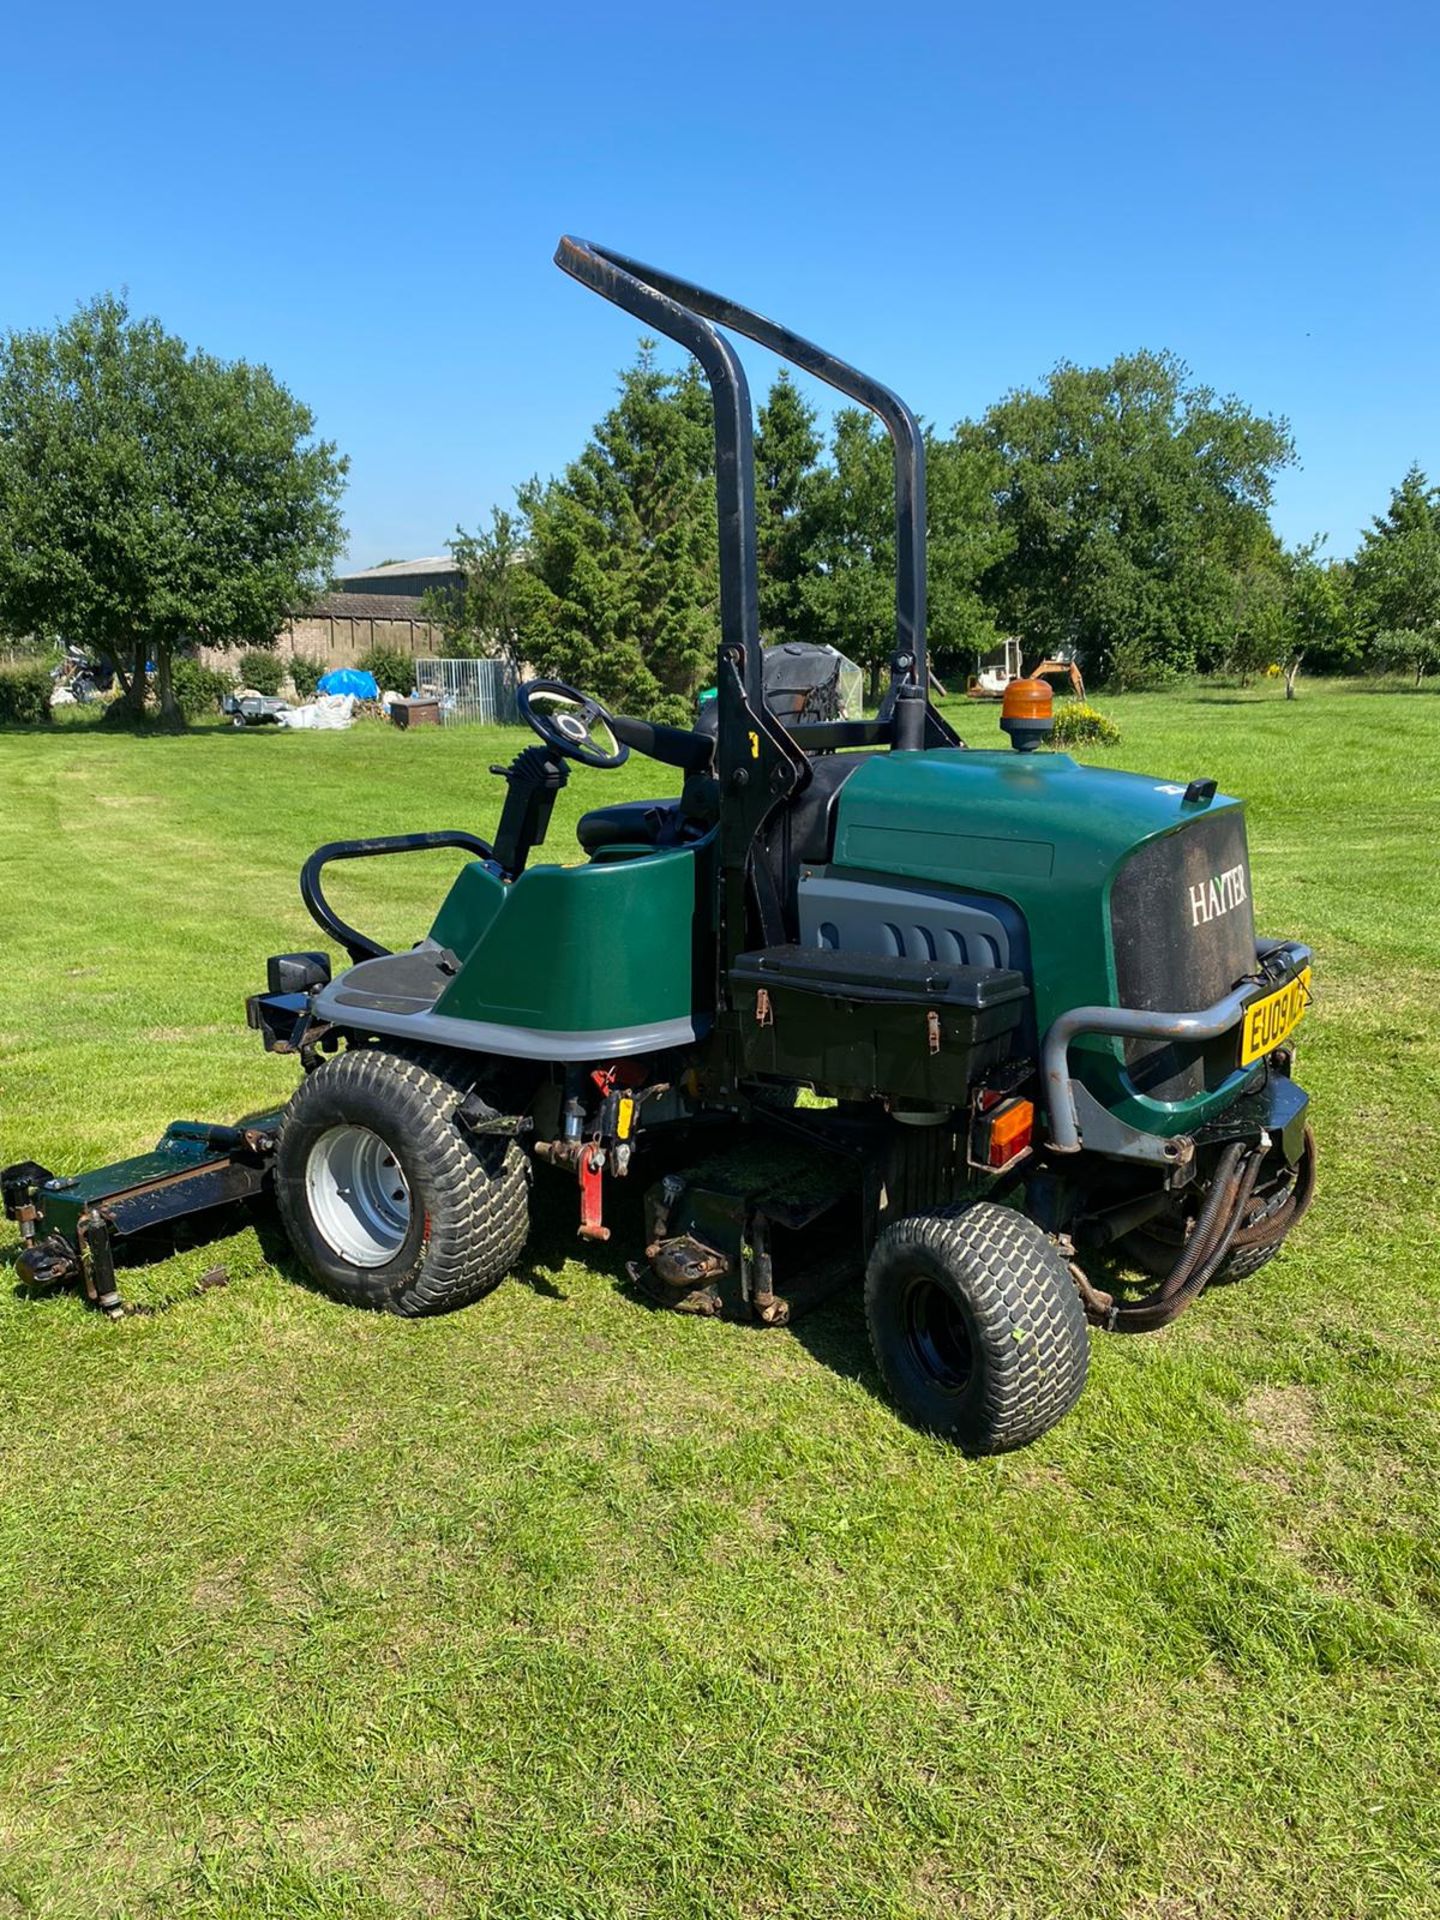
(359, 1197)
(938, 1337)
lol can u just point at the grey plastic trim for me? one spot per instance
(1137, 1023)
(908, 923)
(515, 1043)
(1105, 1135)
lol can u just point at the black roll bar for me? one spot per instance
(683, 311)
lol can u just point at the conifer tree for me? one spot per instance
(1397, 575)
(624, 546)
(787, 448)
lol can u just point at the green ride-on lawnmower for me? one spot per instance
(861, 996)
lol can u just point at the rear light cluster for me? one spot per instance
(1002, 1130)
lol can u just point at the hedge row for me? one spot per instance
(24, 695)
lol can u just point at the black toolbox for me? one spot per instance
(857, 1024)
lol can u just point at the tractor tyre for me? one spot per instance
(1240, 1266)
(977, 1326)
(387, 1200)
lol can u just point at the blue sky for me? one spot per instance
(367, 199)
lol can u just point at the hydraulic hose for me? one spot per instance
(1219, 1220)
(1194, 1250)
(1220, 1216)
(1271, 1228)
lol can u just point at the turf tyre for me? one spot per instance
(1248, 1260)
(468, 1196)
(976, 1325)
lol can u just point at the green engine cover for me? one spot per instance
(1046, 834)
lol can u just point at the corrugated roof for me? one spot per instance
(364, 606)
(435, 563)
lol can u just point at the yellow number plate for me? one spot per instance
(1270, 1020)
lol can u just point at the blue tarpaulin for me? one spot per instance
(350, 680)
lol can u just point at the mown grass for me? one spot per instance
(560, 1607)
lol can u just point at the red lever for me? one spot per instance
(592, 1175)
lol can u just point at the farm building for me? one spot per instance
(407, 578)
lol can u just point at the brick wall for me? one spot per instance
(339, 642)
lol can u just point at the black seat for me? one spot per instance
(803, 831)
(656, 823)
(810, 820)
(630, 823)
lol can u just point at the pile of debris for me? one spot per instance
(336, 698)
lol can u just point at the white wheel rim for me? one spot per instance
(359, 1198)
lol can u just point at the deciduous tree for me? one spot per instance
(151, 495)
(848, 583)
(1319, 621)
(1131, 499)
(496, 613)
(1414, 649)
(1259, 631)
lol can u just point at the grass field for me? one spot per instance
(562, 1609)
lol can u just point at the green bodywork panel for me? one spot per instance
(576, 949)
(468, 909)
(1047, 834)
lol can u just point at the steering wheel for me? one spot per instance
(570, 722)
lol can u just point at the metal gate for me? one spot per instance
(469, 690)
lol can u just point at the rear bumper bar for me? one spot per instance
(1279, 961)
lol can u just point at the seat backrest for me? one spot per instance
(803, 833)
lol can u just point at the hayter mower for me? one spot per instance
(860, 995)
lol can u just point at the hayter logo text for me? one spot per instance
(1210, 898)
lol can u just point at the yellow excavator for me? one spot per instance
(990, 682)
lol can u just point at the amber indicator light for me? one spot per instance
(1004, 1133)
(1028, 700)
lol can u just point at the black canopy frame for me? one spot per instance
(761, 763)
(692, 315)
